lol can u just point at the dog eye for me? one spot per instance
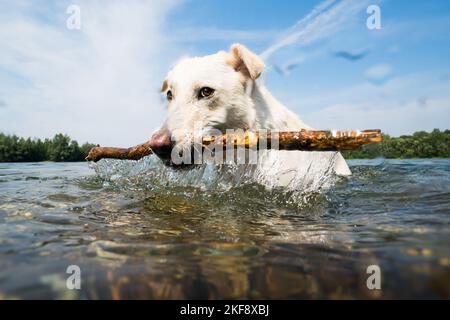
(169, 95)
(205, 92)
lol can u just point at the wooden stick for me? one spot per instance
(133, 153)
(305, 140)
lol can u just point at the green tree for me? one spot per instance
(421, 144)
(60, 148)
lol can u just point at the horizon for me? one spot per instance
(100, 83)
(33, 138)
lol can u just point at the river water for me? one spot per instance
(139, 230)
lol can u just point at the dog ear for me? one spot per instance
(245, 61)
(164, 86)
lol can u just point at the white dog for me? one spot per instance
(220, 91)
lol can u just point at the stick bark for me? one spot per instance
(304, 140)
(133, 153)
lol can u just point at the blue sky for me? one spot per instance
(100, 83)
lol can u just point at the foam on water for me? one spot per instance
(295, 185)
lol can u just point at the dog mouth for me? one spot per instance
(172, 153)
(182, 150)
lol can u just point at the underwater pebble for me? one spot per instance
(28, 214)
(445, 262)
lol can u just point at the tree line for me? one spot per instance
(60, 148)
(421, 144)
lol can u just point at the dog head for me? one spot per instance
(206, 95)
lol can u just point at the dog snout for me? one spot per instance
(161, 143)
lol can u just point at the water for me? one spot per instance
(138, 230)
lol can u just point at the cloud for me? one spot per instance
(379, 73)
(397, 106)
(393, 118)
(97, 84)
(184, 35)
(325, 20)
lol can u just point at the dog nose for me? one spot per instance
(161, 143)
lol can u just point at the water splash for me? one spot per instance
(280, 179)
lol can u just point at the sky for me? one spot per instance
(100, 83)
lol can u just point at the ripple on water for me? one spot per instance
(142, 230)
